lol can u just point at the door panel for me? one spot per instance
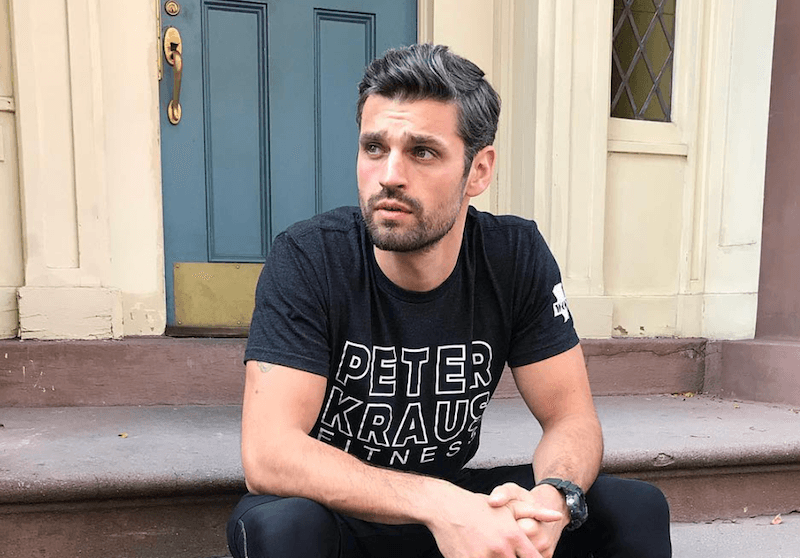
(267, 135)
(344, 44)
(236, 150)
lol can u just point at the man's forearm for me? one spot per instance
(279, 457)
(557, 392)
(571, 449)
(302, 466)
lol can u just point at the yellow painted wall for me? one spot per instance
(656, 225)
(90, 187)
(133, 163)
(11, 274)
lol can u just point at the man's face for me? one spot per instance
(411, 180)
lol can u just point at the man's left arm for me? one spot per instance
(557, 392)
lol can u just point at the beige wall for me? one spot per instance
(86, 90)
(691, 257)
(11, 275)
(656, 226)
(133, 162)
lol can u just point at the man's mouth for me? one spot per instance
(392, 207)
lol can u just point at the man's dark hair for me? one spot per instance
(426, 71)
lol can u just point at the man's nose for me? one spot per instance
(394, 171)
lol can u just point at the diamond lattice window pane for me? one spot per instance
(642, 52)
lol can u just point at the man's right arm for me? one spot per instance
(280, 408)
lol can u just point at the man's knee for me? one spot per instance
(267, 526)
(634, 516)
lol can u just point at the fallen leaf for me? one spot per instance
(736, 406)
(778, 520)
(689, 394)
(123, 435)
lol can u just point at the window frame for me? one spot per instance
(668, 138)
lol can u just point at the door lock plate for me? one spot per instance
(172, 44)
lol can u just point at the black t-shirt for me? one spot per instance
(409, 373)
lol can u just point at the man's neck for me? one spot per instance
(425, 270)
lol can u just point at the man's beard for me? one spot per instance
(422, 236)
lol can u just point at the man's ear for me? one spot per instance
(481, 172)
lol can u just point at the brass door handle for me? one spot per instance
(173, 52)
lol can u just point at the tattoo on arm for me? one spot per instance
(265, 367)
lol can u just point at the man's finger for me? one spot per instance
(528, 526)
(503, 494)
(522, 509)
(527, 550)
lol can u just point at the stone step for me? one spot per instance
(170, 371)
(763, 536)
(773, 536)
(713, 458)
(160, 481)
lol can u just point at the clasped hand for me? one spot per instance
(540, 513)
(510, 523)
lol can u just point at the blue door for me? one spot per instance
(266, 135)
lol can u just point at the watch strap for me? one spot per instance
(562, 485)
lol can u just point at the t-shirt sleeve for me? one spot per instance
(289, 324)
(543, 325)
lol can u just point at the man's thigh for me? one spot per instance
(263, 526)
(483, 481)
(266, 526)
(626, 518)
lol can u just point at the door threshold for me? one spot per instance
(187, 331)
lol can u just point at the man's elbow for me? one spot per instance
(260, 471)
(250, 488)
(256, 485)
(263, 480)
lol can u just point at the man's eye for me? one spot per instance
(372, 149)
(423, 153)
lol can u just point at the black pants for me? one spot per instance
(627, 519)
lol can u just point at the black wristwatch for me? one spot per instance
(576, 501)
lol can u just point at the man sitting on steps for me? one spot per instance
(379, 336)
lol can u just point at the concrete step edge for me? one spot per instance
(73, 454)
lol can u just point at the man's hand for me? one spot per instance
(467, 526)
(541, 513)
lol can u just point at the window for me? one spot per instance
(643, 48)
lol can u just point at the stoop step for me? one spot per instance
(169, 371)
(713, 458)
(158, 482)
(765, 536)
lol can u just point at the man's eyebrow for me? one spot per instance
(424, 139)
(369, 137)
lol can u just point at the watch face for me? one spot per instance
(572, 500)
(577, 509)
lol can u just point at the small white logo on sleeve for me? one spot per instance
(560, 306)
